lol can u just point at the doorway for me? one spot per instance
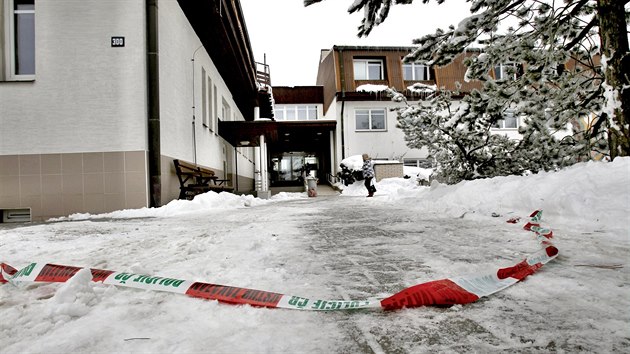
(291, 168)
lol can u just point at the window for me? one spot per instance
(17, 28)
(215, 109)
(505, 72)
(416, 72)
(225, 111)
(368, 69)
(509, 121)
(370, 119)
(209, 119)
(422, 163)
(204, 101)
(295, 112)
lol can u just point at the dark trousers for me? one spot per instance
(368, 184)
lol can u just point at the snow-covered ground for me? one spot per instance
(345, 246)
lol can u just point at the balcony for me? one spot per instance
(263, 77)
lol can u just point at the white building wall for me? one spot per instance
(180, 138)
(87, 96)
(389, 144)
(74, 139)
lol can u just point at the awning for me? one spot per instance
(292, 136)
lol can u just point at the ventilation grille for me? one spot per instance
(16, 215)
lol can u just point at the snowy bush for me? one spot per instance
(351, 170)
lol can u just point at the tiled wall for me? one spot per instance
(55, 185)
(388, 170)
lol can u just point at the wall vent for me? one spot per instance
(16, 215)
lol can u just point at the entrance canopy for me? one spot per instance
(287, 136)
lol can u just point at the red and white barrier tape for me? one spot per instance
(444, 292)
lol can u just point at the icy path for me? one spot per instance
(327, 247)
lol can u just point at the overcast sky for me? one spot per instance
(292, 36)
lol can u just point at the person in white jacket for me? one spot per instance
(368, 175)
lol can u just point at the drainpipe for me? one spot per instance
(236, 169)
(343, 104)
(194, 132)
(153, 102)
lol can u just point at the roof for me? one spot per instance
(292, 135)
(376, 48)
(222, 31)
(298, 94)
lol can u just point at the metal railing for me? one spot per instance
(332, 179)
(263, 76)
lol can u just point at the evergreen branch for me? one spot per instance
(582, 34)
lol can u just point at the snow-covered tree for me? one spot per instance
(463, 145)
(562, 61)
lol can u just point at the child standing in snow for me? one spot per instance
(368, 175)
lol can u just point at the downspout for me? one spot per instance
(194, 132)
(343, 104)
(236, 169)
(153, 102)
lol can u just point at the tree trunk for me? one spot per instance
(614, 41)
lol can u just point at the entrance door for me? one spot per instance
(290, 168)
(228, 157)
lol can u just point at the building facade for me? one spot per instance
(95, 107)
(353, 78)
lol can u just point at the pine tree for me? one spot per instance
(560, 73)
(452, 136)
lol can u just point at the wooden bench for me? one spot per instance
(194, 179)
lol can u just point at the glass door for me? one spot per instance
(287, 167)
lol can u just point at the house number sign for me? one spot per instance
(118, 41)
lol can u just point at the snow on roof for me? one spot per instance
(372, 88)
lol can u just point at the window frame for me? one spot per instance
(418, 162)
(370, 119)
(366, 72)
(414, 66)
(226, 111)
(503, 71)
(10, 64)
(507, 114)
(204, 103)
(210, 119)
(281, 112)
(214, 111)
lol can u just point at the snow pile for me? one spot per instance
(418, 172)
(422, 88)
(575, 193)
(354, 162)
(202, 202)
(393, 188)
(348, 246)
(372, 88)
(75, 297)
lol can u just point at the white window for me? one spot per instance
(368, 69)
(505, 72)
(214, 110)
(295, 112)
(225, 111)
(209, 119)
(204, 101)
(509, 121)
(370, 119)
(289, 114)
(422, 163)
(416, 72)
(17, 27)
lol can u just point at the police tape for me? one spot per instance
(444, 292)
